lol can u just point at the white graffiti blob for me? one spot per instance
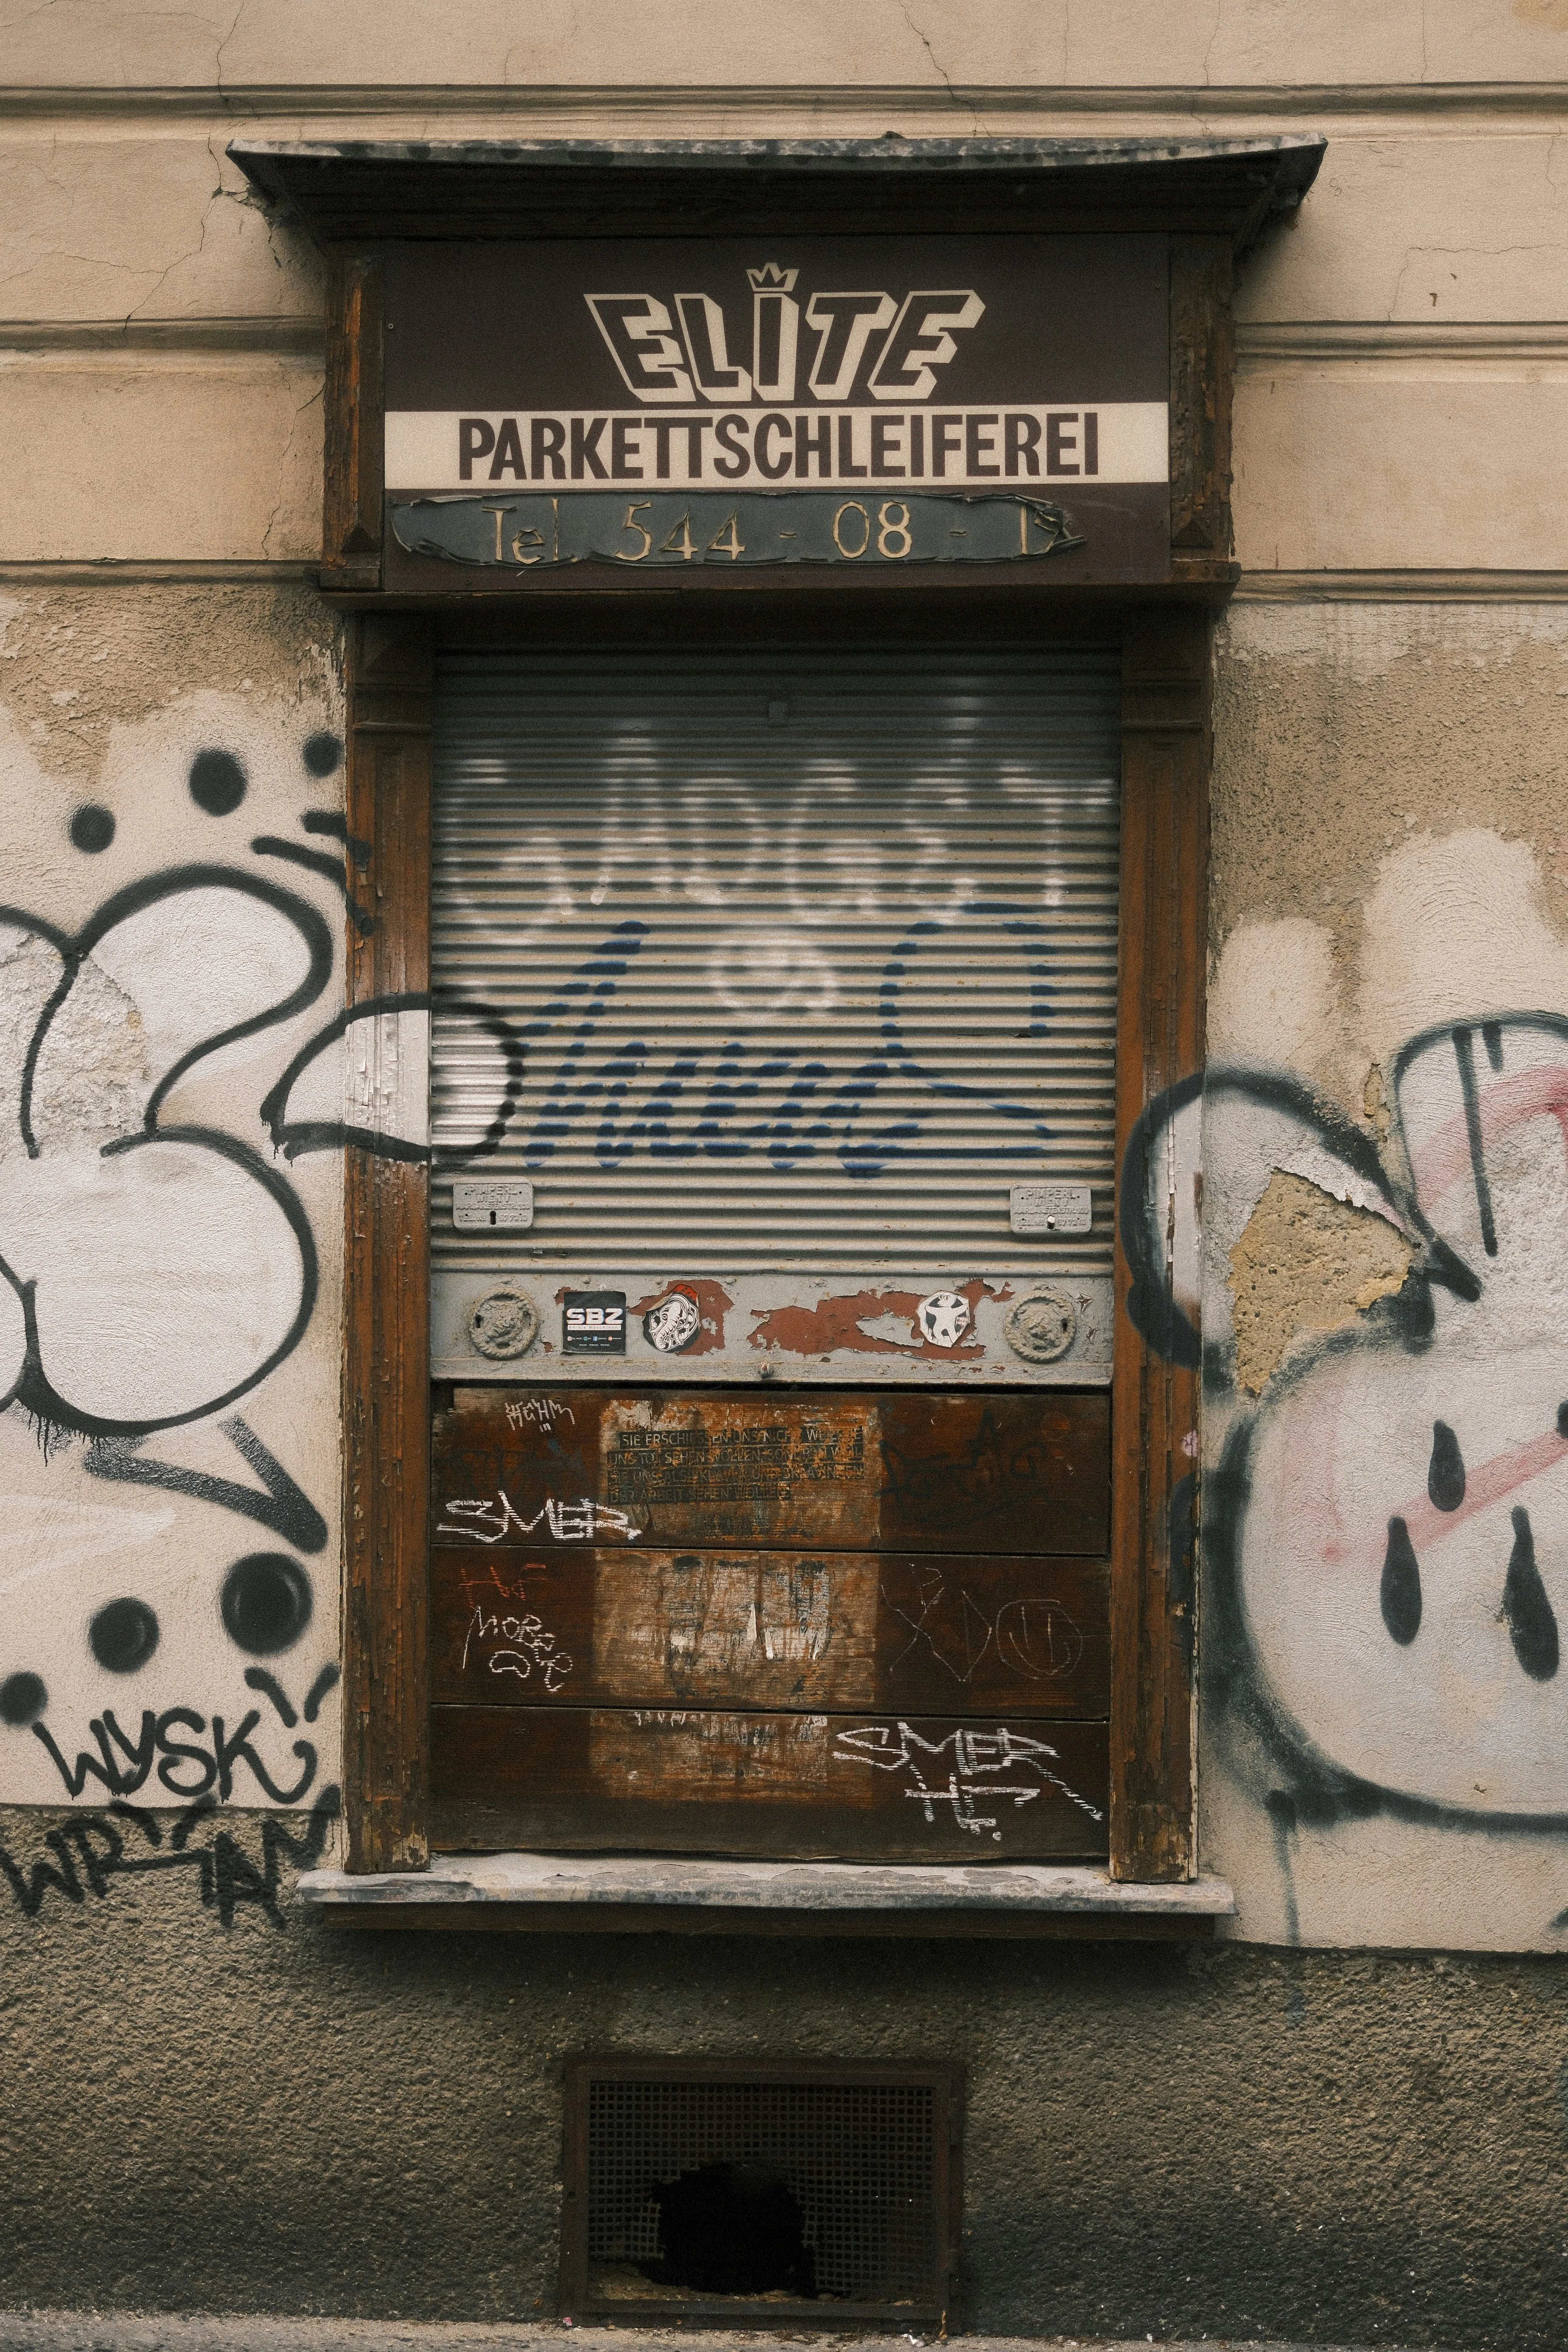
(154, 1267)
(1402, 1549)
(769, 978)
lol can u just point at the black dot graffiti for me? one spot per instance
(218, 782)
(92, 828)
(1446, 1471)
(123, 1635)
(324, 753)
(1532, 1623)
(266, 1602)
(23, 1699)
(1400, 1592)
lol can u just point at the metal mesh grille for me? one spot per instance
(858, 2158)
(787, 958)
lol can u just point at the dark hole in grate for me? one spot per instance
(827, 2190)
(732, 2229)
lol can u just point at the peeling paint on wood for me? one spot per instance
(982, 1789)
(842, 1630)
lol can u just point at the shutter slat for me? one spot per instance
(849, 910)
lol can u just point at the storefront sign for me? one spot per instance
(843, 402)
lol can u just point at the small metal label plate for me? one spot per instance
(502, 1208)
(1051, 1208)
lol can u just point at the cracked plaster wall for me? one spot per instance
(1389, 856)
(169, 1306)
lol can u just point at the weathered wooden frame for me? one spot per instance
(1166, 766)
(1165, 761)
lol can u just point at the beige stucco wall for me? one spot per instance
(1390, 689)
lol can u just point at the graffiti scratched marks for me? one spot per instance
(769, 1781)
(833, 1631)
(926, 1472)
(767, 1576)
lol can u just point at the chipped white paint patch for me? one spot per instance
(386, 1078)
(1456, 929)
(1274, 997)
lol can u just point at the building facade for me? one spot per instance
(339, 1115)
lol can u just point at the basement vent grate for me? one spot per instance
(759, 2192)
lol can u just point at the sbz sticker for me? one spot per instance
(593, 1323)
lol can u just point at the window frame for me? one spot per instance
(1165, 760)
(1208, 201)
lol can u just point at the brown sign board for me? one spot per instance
(872, 406)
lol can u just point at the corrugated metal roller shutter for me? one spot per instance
(776, 958)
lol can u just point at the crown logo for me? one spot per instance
(771, 280)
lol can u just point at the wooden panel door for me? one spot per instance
(866, 1625)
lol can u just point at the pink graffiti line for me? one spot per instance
(1485, 1484)
(1444, 1158)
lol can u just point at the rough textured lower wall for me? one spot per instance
(1161, 2140)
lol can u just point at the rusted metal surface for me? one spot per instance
(919, 1471)
(776, 1624)
(715, 1780)
(830, 1632)
(839, 1330)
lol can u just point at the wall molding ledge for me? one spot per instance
(174, 570)
(595, 1894)
(684, 101)
(304, 335)
(1403, 587)
(1267, 342)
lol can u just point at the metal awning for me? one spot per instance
(360, 190)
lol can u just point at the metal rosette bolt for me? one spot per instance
(503, 1324)
(1040, 1327)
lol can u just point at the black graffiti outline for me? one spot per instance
(1551, 1024)
(153, 1746)
(1309, 1787)
(278, 1504)
(1152, 1308)
(133, 899)
(259, 1679)
(226, 1875)
(32, 1389)
(1302, 1785)
(37, 1394)
(298, 1137)
(316, 861)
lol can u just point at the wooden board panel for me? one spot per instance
(751, 1629)
(706, 1780)
(1025, 1472)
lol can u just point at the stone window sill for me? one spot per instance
(626, 1896)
